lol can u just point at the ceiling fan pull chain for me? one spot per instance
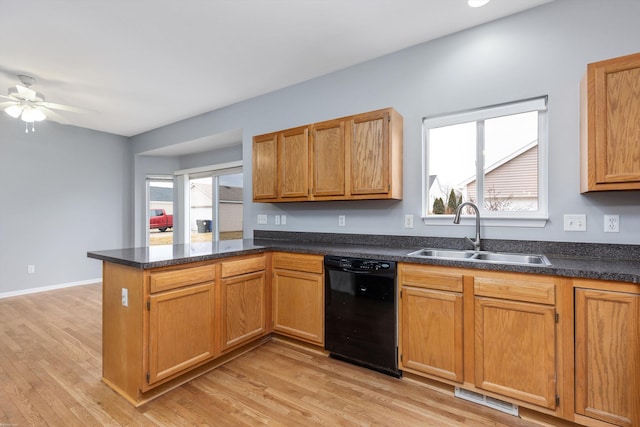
(26, 127)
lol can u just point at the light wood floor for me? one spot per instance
(50, 368)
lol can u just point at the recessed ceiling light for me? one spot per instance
(477, 3)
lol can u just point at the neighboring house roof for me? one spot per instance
(230, 194)
(203, 194)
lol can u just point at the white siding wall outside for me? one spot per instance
(517, 178)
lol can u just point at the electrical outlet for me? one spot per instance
(408, 221)
(283, 219)
(125, 297)
(262, 219)
(277, 219)
(31, 268)
(575, 222)
(612, 223)
(342, 220)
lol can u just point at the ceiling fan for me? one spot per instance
(30, 105)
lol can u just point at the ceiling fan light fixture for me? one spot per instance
(14, 111)
(477, 3)
(32, 115)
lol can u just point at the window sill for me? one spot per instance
(491, 221)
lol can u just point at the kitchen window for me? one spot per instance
(495, 157)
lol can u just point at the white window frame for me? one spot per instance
(213, 171)
(511, 219)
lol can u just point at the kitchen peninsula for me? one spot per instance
(171, 313)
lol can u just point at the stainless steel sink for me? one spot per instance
(481, 256)
(511, 258)
(442, 253)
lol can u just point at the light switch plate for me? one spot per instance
(262, 219)
(575, 222)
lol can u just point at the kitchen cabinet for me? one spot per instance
(487, 332)
(244, 301)
(281, 165)
(431, 322)
(181, 320)
(293, 161)
(298, 296)
(328, 147)
(607, 352)
(373, 170)
(178, 322)
(350, 158)
(515, 337)
(265, 167)
(610, 125)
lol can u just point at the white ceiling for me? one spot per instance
(142, 64)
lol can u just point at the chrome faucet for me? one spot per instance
(456, 220)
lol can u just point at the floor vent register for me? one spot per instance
(490, 402)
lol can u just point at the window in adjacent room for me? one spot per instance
(493, 156)
(160, 210)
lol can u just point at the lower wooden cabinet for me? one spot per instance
(483, 331)
(515, 350)
(181, 330)
(298, 296)
(607, 328)
(431, 322)
(243, 301)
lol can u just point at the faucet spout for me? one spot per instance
(477, 245)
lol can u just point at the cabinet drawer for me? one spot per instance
(298, 262)
(243, 266)
(165, 280)
(422, 277)
(541, 292)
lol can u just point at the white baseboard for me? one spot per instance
(48, 288)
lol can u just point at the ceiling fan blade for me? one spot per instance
(5, 104)
(55, 106)
(53, 116)
(26, 93)
(9, 97)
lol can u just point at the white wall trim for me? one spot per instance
(237, 163)
(48, 288)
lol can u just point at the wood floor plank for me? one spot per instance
(50, 375)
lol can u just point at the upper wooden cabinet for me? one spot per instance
(350, 158)
(329, 156)
(610, 125)
(265, 171)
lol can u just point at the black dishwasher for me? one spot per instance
(361, 312)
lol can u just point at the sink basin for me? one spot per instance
(442, 253)
(511, 258)
(482, 256)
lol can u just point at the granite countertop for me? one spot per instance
(591, 261)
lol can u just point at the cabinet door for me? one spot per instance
(515, 352)
(613, 124)
(608, 356)
(265, 163)
(328, 159)
(432, 326)
(298, 305)
(181, 330)
(243, 308)
(369, 135)
(293, 148)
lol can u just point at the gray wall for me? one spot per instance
(543, 51)
(66, 191)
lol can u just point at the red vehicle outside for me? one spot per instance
(159, 219)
